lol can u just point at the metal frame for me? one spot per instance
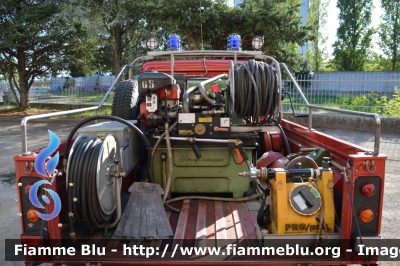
(376, 117)
(210, 54)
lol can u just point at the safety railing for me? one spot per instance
(376, 117)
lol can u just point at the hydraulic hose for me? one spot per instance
(256, 90)
(169, 158)
(161, 138)
(90, 162)
(293, 162)
(285, 139)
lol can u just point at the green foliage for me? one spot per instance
(343, 100)
(389, 32)
(377, 62)
(83, 57)
(360, 101)
(317, 15)
(115, 34)
(188, 19)
(393, 105)
(278, 21)
(370, 102)
(353, 35)
(31, 36)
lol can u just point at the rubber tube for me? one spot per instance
(256, 90)
(169, 158)
(293, 162)
(113, 118)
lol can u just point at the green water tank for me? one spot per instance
(214, 172)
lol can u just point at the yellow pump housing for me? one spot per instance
(284, 218)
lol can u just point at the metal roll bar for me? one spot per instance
(150, 56)
(376, 117)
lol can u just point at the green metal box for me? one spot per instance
(214, 172)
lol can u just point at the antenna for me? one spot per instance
(201, 28)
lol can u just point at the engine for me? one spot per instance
(163, 100)
(160, 95)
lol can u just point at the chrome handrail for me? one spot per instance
(33, 117)
(376, 117)
(113, 84)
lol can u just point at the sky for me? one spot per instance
(332, 23)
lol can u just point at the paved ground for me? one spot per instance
(10, 141)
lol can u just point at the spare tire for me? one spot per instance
(125, 100)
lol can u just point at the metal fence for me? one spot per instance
(360, 91)
(373, 92)
(84, 90)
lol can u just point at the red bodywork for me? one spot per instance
(208, 68)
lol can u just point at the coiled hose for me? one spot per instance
(83, 194)
(148, 170)
(256, 90)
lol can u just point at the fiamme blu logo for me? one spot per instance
(46, 169)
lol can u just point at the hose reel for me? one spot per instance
(254, 91)
(90, 184)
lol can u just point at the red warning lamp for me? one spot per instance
(368, 189)
(28, 188)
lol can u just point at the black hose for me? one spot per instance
(66, 155)
(285, 139)
(256, 90)
(84, 200)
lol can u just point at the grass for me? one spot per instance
(92, 97)
(13, 111)
(105, 110)
(369, 102)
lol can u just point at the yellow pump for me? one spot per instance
(295, 207)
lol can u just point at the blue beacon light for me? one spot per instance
(234, 42)
(174, 42)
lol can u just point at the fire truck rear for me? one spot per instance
(196, 165)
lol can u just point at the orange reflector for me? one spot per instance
(368, 189)
(366, 215)
(32, 216)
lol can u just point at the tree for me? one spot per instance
(317, 14)
(84, 56)
(353, 35)
(389, 32)
(31, 36)
(7, 72)
(116, 27)
(278, 21)
(377, 62)
(123, 32)
(194, 21)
